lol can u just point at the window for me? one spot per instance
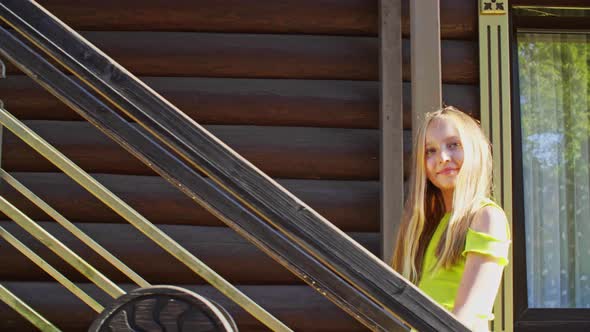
(551, 167)
(554, 76)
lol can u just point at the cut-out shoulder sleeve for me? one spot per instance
(488, 245)
(487, 235)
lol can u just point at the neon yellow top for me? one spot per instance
(442, 285)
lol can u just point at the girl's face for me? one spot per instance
(443, 154)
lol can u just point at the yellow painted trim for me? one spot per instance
(495, 113)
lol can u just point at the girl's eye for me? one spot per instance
(430, 151)
(454, 145)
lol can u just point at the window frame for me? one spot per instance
(533, 319)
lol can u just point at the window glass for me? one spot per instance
(555, 118)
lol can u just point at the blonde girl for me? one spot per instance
(453, 240)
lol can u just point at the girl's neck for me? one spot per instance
(448, 199)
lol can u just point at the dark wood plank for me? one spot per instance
(268, 56)
(219, 247)
(225, 101)
(336, 17)
(284, 152)
(458, 19)
(300, 307)
(341, 104)
(464, 97)
(350, 205)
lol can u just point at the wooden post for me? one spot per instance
(391, 124)
(494, 68)
(426, 63)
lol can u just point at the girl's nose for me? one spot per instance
(444, 155)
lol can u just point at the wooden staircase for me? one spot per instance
(291, 86)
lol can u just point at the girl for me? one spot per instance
(453, 240)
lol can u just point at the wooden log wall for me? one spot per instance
(292, 85)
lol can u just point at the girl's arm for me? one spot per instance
(483, 273)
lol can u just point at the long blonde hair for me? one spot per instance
(425, 207)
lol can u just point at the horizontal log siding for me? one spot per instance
(283, 152)
(264, 102)
(351, 205)
(332, 17)
(300, 307)
(217, 246)
(191, 54)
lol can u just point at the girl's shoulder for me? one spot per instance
(485, 202)
(490, 219)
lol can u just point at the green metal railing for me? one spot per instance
(70, 226)
(121, 208)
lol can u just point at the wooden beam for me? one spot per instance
(352, 205)
(221, 101)
(282, 152)
(261, 102)
(217, 246)
(327, 17)
(392, 131)
(186, 54)
(426, 59)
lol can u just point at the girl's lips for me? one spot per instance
(447, 171)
